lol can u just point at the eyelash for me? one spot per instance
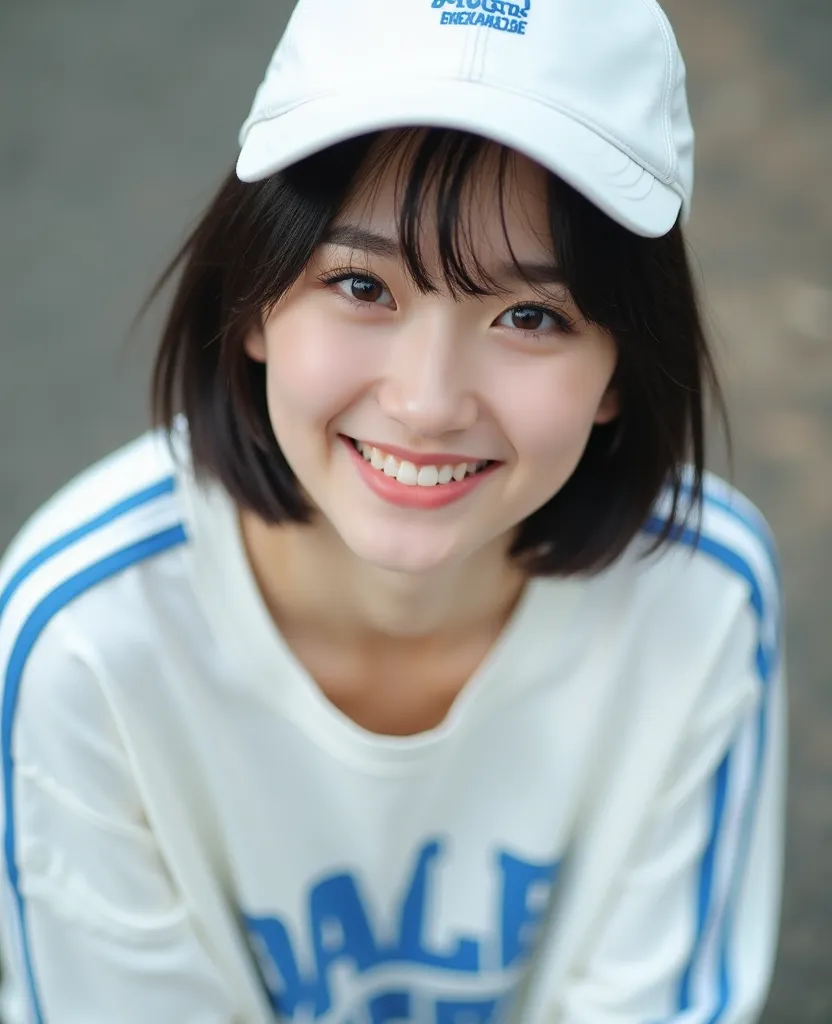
(563, 323)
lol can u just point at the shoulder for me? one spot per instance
(120, 514)
(727, 548)
(131, 486)
(712, 587)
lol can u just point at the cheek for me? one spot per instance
(311, 369)
(548, 414)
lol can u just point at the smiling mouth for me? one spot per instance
(411, 475)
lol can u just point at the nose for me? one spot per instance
(427, 386)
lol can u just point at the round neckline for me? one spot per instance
(229, 593)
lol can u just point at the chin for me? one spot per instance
(402, 550)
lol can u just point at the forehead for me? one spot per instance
(503, 197)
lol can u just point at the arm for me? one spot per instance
(690, 935)
(98, 929)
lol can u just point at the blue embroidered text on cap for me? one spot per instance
(502, 15)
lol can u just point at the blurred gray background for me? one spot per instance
(119, 119)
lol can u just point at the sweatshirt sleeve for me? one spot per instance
(690, 934)
(97, 928)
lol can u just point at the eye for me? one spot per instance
(361, 289)
(535, 320)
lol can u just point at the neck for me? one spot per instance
(313, 583)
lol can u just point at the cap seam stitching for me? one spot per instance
(469, 55)
(483, 50)
(670, 69)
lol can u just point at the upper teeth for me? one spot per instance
(410, 474)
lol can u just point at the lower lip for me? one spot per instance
(389, 489)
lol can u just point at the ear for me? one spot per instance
(255, 344)
(609, 407)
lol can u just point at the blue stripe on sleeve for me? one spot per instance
(765, 661)
(742, 858)
(706, 880)
(37, 621)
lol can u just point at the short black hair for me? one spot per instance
(254, 242)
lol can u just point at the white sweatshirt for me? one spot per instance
(193, 834)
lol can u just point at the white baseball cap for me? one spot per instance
(593, 90)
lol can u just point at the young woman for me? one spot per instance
(411, 669)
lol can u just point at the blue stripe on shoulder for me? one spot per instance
(766, 659)
(149, 494)
(719, 552)
(37, 621)
(743, 512)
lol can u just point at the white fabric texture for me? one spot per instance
(192, 832)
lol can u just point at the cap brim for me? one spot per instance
(608, 177)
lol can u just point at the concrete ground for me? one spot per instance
(119, 119)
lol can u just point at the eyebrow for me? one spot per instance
(351, 236)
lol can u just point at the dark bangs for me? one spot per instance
(255, 240)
